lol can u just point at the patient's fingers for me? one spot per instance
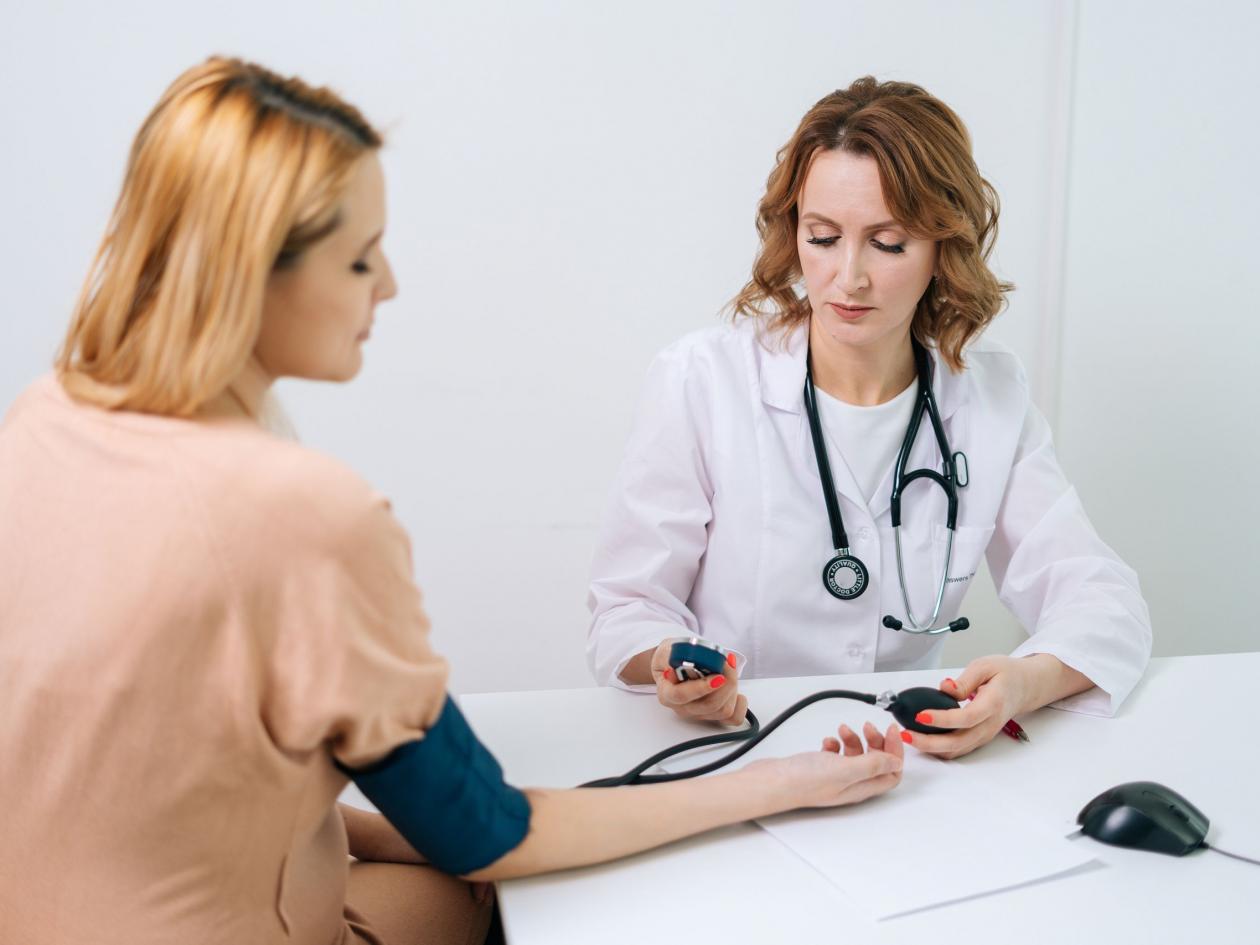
(873, 737)
(852, 744)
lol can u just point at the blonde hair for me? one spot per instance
(932, 187)
(235, 172)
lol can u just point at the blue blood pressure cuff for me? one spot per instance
(446, 795)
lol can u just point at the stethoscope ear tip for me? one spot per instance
(891, 622)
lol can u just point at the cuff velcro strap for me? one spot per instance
(446, 795)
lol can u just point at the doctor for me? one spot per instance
(864, 312)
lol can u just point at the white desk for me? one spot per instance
(1190, 725)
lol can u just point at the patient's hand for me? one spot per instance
(844, 772)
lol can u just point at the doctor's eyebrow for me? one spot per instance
(372, 242)
(884, 225)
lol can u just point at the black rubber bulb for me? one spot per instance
(910, 702)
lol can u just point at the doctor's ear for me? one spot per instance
(937, 289)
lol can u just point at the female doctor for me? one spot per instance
(863, 318)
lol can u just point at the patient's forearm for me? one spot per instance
(590, 825)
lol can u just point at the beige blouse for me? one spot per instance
(195, 619)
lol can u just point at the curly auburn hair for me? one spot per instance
(932, 188)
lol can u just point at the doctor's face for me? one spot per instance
(318, 312)
(863, 273)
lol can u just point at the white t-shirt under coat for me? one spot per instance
(866, 439)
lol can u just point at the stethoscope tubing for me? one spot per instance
(925, 402)
(927, 626)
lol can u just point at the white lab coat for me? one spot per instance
(717, 527)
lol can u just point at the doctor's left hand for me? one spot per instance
(999, 687)
(711, 699)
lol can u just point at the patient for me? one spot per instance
(206, 629)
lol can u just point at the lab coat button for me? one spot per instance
(864, 533)
(854, 650)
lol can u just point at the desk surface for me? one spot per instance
(1187, 725)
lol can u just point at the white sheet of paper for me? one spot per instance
(941, 835)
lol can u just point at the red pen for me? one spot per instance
(1012, 728)
(1015, 730)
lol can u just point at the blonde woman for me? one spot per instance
(813, 487)
(205, 629)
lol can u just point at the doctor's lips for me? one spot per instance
(849, 311)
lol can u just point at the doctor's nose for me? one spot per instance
(851, 277)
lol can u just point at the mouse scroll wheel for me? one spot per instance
(1181, 814)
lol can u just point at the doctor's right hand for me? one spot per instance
(709, 699)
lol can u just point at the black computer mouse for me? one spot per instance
(1146, 816)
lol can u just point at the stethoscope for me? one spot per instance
(844, 575)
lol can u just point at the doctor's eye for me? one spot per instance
(822, 240)
(361, 268)
(893, 248)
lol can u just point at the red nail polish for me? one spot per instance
(906, 737)
(668, 674)
(949, 682)
(717, 682)
(730, 660)
(924, 717)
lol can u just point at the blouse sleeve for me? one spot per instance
(1077, 599)
(350, 667)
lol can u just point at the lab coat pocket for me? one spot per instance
(969, 545)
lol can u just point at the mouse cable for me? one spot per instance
(1236, 856)
(750, 736)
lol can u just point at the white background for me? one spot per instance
(572, 185)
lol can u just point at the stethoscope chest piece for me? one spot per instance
(845, 576)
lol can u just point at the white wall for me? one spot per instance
(572, 186)
(1161, 326)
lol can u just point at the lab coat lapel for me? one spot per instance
(951, 389)
(781, 364)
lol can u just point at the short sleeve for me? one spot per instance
(350, 666)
